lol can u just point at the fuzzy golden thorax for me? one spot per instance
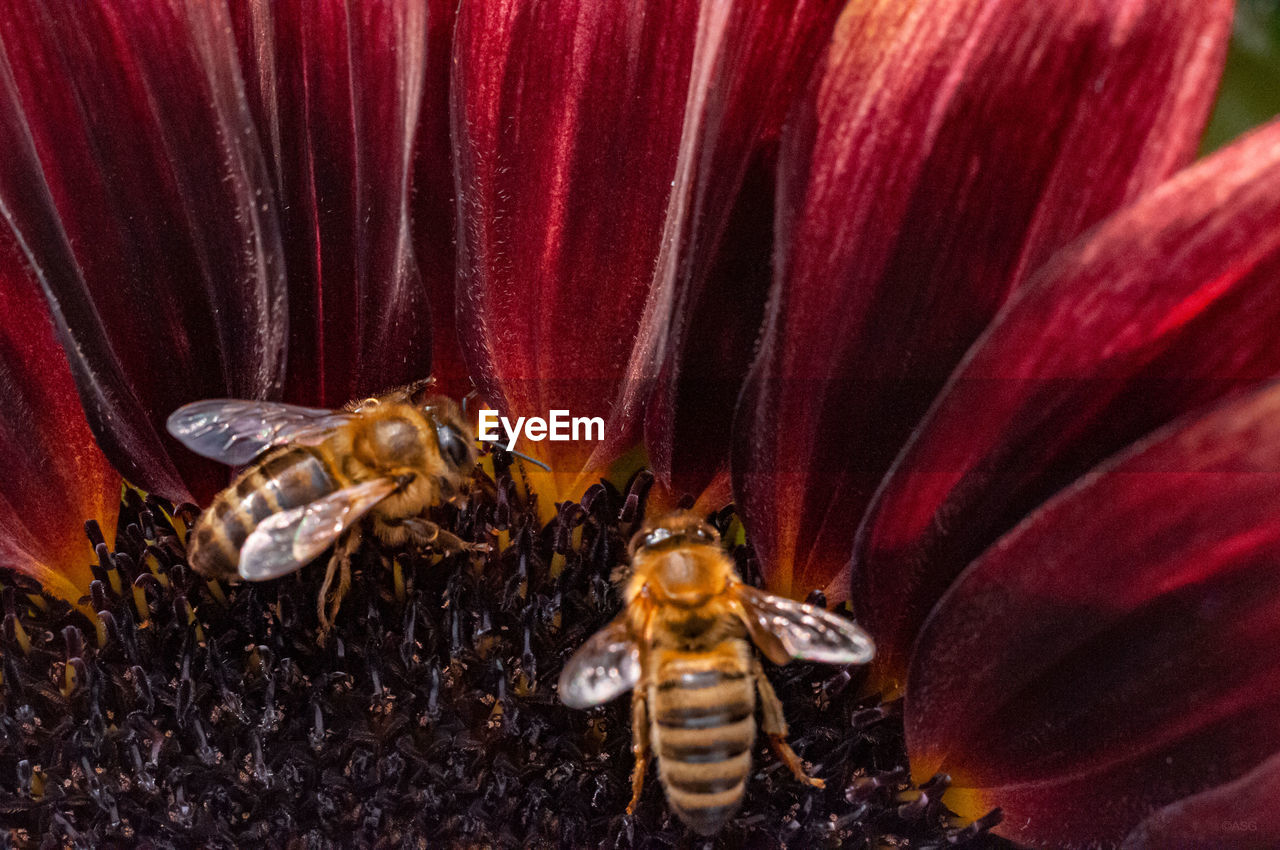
(427, 448)
(678, 588)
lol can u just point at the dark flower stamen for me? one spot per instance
(210, 714)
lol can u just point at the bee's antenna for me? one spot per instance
(520, 455)
(466, 399)
(526, 457)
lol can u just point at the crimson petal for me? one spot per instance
(336, 89)
(55, 477)
(150, 177)
(131, 179)
(1240, 815)
(944, 150)
(567, 122)
(712, 276)
(1168, 306)
(1120, 649)
(434, 203)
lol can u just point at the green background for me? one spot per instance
(1250, 92)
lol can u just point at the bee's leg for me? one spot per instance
(340, 563)
(639, 744)
(424, 532)
(321, 611)
(775, 726)
(349, 547)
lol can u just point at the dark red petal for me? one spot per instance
(133, 179)
(1166, 307)
(1120, 649)
(567, 121)
(54, 476)
(945, 150)
(713, 270)
(434, 203)
(142, 192)
(1240, 815)
(336, 89)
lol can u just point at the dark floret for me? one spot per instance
(199, 714)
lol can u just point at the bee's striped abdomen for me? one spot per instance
(286, 479)
(702, 708)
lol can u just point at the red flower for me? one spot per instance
(1010, 394)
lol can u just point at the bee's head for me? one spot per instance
(679, 559)
(673, 531)
(454, 436)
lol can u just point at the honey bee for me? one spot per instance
(680, 647)
(314, 474)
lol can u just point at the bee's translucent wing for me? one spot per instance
(235, 432)
(607, 665)
(285, 541)
(784, 629)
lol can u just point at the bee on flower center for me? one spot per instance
(681, 647)
(318, 478)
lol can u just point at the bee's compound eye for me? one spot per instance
(704, 533)
(452, 445)
(646, 537)
(656, 536)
